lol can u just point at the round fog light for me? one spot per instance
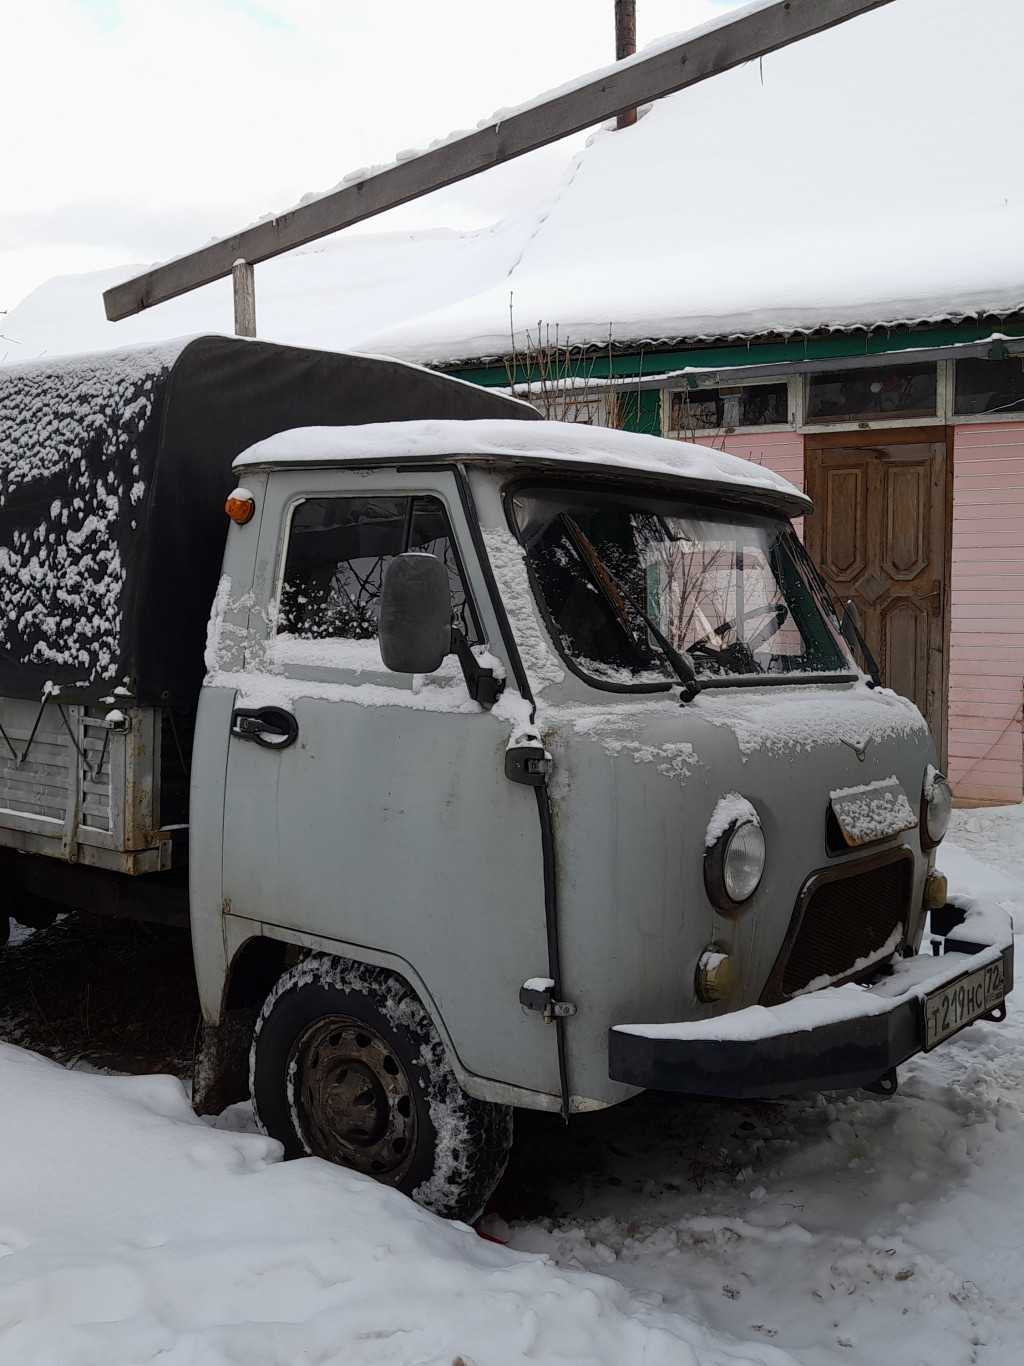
(716, 975)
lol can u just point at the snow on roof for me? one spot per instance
(326, 295)
(862, 178)
(574, 445)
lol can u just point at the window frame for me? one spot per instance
(945, 416)
(955, 418)
(562, 484)
(694, 433)
(474, 617)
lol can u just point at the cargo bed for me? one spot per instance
(81, 784)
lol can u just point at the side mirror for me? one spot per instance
(415, 619)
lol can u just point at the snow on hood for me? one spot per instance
(565, 443)
(779, 724)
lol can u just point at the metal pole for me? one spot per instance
(625, 46)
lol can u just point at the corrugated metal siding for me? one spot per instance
(987, 612)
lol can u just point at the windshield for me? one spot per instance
(623, 576)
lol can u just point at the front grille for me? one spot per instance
(841, 920)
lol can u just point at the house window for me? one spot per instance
(989, 386)
(729, 406)
(900, 391)
(338, 549)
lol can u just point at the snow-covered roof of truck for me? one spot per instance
(568, 446)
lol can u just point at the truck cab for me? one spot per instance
(556, 732)
(515, 763)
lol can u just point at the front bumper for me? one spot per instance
(834, 1038)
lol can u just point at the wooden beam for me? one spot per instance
(589, 101)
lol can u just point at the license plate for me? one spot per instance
(962, 1001)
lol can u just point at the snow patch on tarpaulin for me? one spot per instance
(70, 481)
(132, 1232)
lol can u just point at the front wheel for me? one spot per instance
(347, 1065)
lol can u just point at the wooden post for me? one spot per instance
(243, 280)
(625, 46)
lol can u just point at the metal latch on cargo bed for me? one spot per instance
(537, 994)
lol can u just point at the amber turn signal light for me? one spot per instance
(240, 506)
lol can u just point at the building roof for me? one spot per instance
(864, 178)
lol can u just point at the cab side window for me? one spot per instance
(338, 549)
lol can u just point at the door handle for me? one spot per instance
(934, 597)
(271, 727)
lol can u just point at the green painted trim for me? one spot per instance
(645, 365)
(642, 416)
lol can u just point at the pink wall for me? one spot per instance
(782, 452)
(987, 607)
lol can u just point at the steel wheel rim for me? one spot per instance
(352, 1098)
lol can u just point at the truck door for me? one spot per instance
(374, 812)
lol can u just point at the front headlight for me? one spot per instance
(936, 806)
(734, 861)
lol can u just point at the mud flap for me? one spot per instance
(220, 1076)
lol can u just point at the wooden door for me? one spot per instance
(879, 534)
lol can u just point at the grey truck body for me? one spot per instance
(555, 926)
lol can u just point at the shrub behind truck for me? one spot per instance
(516, 763)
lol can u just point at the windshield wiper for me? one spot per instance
(845, 615)
(615, 595)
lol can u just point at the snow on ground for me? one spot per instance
(841, 1228)
(132, 1232)
(844, 1228)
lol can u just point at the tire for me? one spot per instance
(346, 1065)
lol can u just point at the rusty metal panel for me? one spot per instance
(80, 786)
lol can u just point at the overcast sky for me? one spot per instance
(138, 129)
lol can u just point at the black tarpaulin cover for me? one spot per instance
(114, 470)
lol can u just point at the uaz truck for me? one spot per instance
(492, 762)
